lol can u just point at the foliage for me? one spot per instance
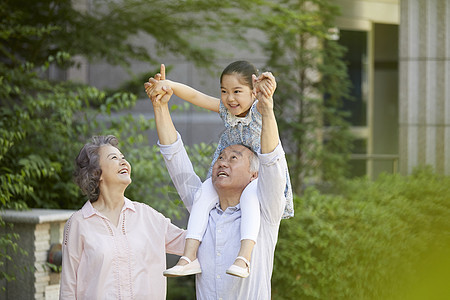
(312, 82)
(44, 123)
(37, 167)
(53, 267)
(373, 240)
(181, 288)
(110, 30)
(8, 247)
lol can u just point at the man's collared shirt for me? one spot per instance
(221, 241)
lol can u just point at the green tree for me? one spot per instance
(312, 83)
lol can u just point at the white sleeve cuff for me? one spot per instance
(169, 150)
(272, 157)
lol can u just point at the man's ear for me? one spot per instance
(254, 176)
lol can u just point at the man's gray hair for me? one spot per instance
(254, 159)
(254, 162)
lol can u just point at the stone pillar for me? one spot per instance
(424, 94)
(38, 230)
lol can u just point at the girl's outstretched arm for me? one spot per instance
(183, 91)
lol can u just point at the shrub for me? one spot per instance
(372, 240)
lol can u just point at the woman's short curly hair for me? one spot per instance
(87, 166)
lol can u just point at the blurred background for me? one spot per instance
(362, 103)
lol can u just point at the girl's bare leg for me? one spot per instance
(190, 251)
(245, 251)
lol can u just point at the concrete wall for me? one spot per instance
(363, 11)
(425, 85)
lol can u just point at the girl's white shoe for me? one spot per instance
(193, 267)
(239, 271)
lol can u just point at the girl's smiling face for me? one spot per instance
(236, 96)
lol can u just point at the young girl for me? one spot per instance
(238, 110)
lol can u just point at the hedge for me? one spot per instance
(382, 239)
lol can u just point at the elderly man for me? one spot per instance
(231, 174)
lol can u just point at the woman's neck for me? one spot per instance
(109, 200)
(110, 206)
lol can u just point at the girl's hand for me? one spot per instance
(157, 88)
(265, 84)
(264, 88)
(160, 94)
(153, 82)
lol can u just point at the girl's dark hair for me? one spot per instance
(87, 167)
(244, 69)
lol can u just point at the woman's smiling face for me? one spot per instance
(115, 168)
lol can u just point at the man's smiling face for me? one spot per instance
(231, 171)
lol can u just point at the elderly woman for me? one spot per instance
(114, 248)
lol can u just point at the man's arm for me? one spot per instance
(177, 161)
(166, 130)
(272, 171)
(271, 185)
(181, 171)
(167, 133)
(265, 87)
